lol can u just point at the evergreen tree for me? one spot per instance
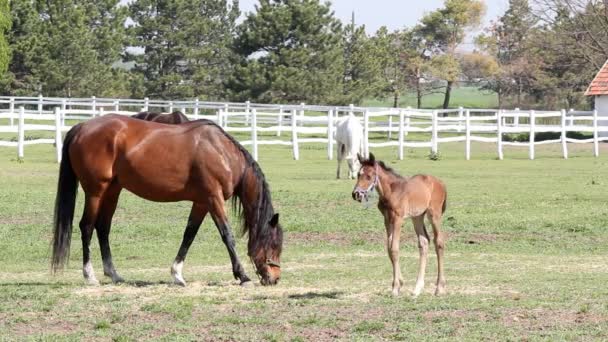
(187, 46)
(290, 51)
(5, 25)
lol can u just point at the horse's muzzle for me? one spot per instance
(357, 196)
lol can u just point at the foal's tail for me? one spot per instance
(65, 202)
(445, 203)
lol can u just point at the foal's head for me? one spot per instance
(367, 178)
(266, 255)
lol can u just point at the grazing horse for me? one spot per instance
(400, 198)
(195, 161)
(176, 117)
(349, 139)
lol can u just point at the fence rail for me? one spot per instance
(312, 124)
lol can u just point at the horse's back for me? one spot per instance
(350, 133)
(429, 187)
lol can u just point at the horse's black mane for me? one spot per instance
(255, 219)
(383, 166)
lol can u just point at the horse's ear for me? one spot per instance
(360, 158)
(372, 159)
(274, 221)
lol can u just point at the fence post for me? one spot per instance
(93, 105)
(351, 109)
(366, 133)
(571, 117)
(294, 134)
(116, 106)
(302, 105)
(254, 133)
(21, 132)
(280, 121)
(516, 118)
(183, 110)
(247, 111)
(467, 135)
(218, 120)
(390, 127)
(564, 135)
(460, 112)
(225, 120)
(58, 133)
(170, 106)
(64, 106)
(499, 124)
(330, 134)
(101, 111)
(407, 120)
(596, 147)
(146, 104)
(532, 128)
(11, 109)
(434, 135)
(40, 103)
(401, 123)
(196, 111)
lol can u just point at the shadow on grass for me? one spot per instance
(315, 295)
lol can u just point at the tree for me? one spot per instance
(289, 51)
(443, 30)
(186, 46)
(508, 42)
(362, 70)
(5, 25)
(67, 47)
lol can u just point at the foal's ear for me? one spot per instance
(372, 159)
(274, 221)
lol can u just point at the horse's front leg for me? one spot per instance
(197, 214)
(393, 222)
(218, 214)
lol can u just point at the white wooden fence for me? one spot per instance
(311, 124)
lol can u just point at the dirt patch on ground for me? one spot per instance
(540, 319)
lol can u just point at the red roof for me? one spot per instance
(599, 85)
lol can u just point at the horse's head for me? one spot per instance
(367, 179)
(266, 255)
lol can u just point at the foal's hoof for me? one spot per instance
(440, 291)
(395, 293)
(246, 283)
(179, 281)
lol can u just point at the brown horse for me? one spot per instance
(176, 117)
(196, 162)
(401, 198)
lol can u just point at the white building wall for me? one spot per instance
(601, 104)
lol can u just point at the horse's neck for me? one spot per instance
(386, 181)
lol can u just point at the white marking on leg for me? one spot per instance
(89, 274)
(176, 272)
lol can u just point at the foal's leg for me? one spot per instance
(423, 248)
(87, 224)
(103, 226)
(197, 214)
(435, 218)
(393, 232)
(219, 217)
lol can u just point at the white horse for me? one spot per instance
(349, 139)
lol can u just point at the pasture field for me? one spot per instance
(465, 96)
(526, 258)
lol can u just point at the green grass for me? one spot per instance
(465, 96)
(525, 259)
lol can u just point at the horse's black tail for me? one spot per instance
(65, 202)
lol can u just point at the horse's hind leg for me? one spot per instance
(435, 218)
(197, 214)
(221, 221)
(103, 226)
(423, 248)
(87, 224)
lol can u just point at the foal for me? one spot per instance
(401, 198)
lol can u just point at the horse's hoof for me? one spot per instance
(440, 291)
(179, 281)
(395, 293)
(247, 283)
(92, 282)
(117, 279)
